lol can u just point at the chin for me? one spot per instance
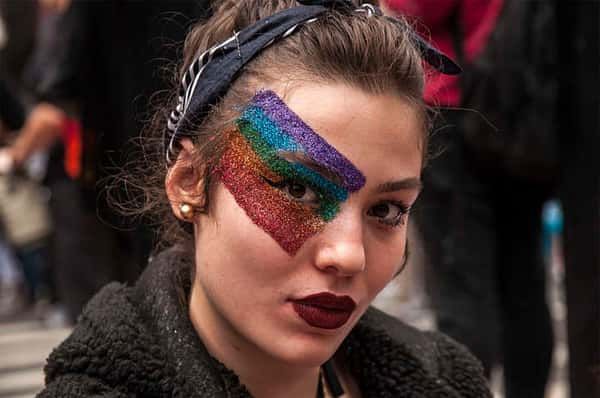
(307, 350)
(310, 346)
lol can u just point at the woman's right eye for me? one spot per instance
(297, 191)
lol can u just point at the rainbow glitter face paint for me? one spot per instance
(272, 148)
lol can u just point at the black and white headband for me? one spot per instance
(211, 73)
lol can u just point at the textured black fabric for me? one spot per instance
(139, 341)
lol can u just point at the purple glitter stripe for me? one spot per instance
(315, 146)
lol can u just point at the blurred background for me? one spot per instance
(504, 241)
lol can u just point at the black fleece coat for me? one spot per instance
(139, 342)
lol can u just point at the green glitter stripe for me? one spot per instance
(265, 150)
(339, 193)
(269, 131)
(329, 193)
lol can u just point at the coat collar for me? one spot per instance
(385, 355)
(140, 339)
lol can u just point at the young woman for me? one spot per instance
(290, 160)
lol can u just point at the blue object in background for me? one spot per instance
(552, 224)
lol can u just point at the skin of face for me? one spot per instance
(272, 146)
(240, 302)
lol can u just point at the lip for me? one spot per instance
(324, 310)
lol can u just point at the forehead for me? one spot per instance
(380, 134)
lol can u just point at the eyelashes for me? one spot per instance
(304, 191)
(388, 213)
(297, 191)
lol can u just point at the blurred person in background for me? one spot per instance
(578, 30)
(94, 77)
(24, 219)
(480, 211)
(26, 227)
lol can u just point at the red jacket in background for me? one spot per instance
(434, 19)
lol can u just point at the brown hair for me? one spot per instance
(370, 53)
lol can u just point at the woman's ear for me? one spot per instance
(184, 182)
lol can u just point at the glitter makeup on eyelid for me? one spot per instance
(314, 145)
(276, 139)
(267, 137)
(289, 169)
(329, 193)
(287, 221)
(251, 170)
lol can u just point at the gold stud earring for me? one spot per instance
(186, 210)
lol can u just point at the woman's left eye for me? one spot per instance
(389, 213)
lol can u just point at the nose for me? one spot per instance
(340, 248)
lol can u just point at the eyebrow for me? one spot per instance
(315, 146)
(399, 185)
(305, 160)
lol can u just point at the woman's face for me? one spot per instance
(299, 240)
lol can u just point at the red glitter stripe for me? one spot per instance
(285, 220)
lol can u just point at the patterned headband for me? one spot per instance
(211, 73)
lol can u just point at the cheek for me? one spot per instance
(237, 264)
(384, 260)
(239, 250)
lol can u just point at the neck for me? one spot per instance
(261, 373)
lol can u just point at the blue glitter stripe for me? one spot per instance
(277, 139)
(271, 158)
(335, 191)
(314, 145)
(269, 131)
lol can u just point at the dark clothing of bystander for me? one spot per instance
(486, 275)
(579, 187)
(12, 113)
(480, 222)
(106, 66)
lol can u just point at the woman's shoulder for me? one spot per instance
(110, 351)
(429, 343)
(390, 355)
(137, 340)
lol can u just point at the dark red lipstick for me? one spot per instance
(325, 310)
